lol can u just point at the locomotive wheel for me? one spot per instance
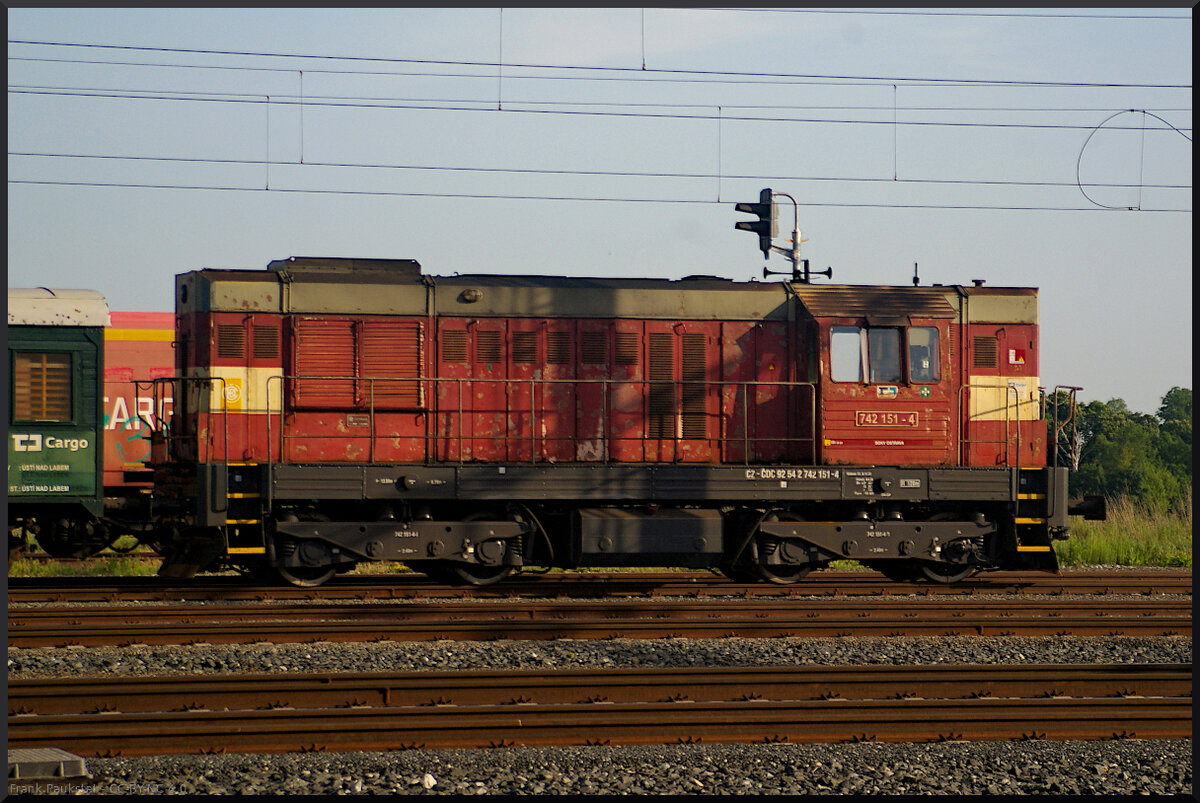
(476, 575)
(306, 576)
(946, 572)
(473, 574)
(784, 575)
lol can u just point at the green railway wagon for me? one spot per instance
(55, 419)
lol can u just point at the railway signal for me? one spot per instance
(767, 225)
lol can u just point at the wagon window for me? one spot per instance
(924, 359)
(41, 386)
(845, 353)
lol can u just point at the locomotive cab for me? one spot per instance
(886, 385)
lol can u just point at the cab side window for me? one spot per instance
(924, 359)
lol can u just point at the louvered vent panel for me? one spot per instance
(231, 340)
(41, 387)
(454, 345)
(558, 348)
(266, 342)
(487, 347)
(985, 351)
(593, 348)
(627, 348)
(524, 347)
(324, 349)
(694, 362)
(390, 355)
(661, 392)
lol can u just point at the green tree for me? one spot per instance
(1175, 433)
(1145, 457)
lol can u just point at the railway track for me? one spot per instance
(473, 709)
(665, 584)
(51, 626)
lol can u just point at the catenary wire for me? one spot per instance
(312, 99)
(486, 106)
(509, 197)
(604, 173)
(601, 69)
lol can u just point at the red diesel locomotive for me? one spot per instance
(330, 411)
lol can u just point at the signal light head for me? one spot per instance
(767, 225)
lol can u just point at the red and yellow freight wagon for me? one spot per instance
(137, 350)
(330, 411)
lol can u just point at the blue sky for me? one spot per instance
(981, 144)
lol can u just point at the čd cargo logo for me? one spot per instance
(35, 443)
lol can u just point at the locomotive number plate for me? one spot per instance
(881, 418)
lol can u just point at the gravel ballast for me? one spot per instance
(391, 656)
(978, 768)
(1033, 767)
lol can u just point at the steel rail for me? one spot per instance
(825, 721)
(54, 696)
(412, 585)
(34, 627)
(20, 618)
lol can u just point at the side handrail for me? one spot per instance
(720, 432)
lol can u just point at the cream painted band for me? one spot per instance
(993, 398)
(241, 390)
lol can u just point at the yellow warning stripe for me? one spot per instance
(1030, 521)
(139, 334)
(1033, 549)
(250, 550)
(243, 521)
(1031, 496)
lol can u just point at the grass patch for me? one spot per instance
(1131, 536)
(115, 566)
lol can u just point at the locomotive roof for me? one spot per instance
(873, 302)
(41, 306)
(308, 285)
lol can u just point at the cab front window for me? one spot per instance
(883, 352)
